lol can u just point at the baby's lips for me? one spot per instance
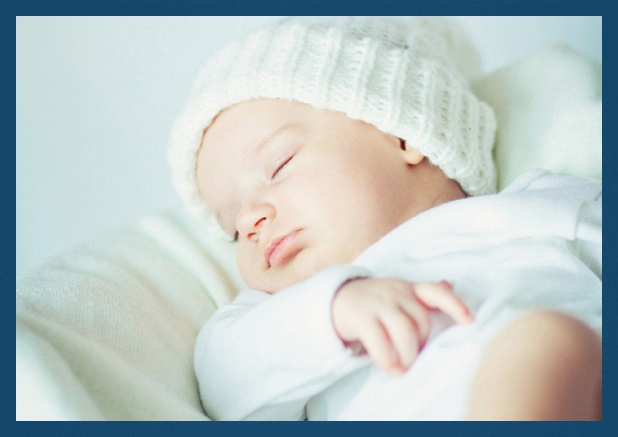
(280, 249)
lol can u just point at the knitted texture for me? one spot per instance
(408, 76)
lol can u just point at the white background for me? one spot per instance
(97, 96)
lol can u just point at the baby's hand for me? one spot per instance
(390, 317)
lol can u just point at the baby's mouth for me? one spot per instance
(281, 249)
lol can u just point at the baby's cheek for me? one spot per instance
(256, 275)
(309, 262)
(248, 266)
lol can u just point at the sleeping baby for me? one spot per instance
(387, 280)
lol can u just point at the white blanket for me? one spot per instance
(106, 330)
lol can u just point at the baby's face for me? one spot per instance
(304, 189)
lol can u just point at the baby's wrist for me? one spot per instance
(348, 281)
(340, 313)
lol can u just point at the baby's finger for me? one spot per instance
(404, 336)
(441, 297)
(377, 343)
(419, 313)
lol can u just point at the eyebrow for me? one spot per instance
(272, 137)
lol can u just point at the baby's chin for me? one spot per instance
(301, 267)
(275, 280)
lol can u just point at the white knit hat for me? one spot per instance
(408, 76)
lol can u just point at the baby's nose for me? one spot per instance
(252, 219)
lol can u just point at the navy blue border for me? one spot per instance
(310, 429)
(14, 8)
(311, 7)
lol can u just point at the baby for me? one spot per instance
(352, 164)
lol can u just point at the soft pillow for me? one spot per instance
(549, 111)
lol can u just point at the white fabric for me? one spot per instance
(106, 331)
(550, 114)
(266, 357)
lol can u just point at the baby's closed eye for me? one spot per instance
(279, 164)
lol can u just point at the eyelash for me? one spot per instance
(236, 235)
(281, 166)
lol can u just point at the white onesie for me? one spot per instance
(537, 244)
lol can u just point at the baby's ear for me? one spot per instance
(411, 154)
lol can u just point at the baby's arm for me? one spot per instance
(263, 357)
(390, 318)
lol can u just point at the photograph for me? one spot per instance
(309, 218)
